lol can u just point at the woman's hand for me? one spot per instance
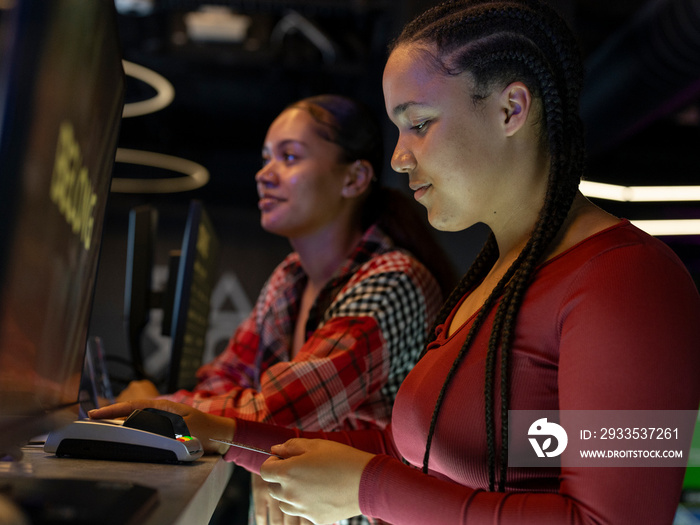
(201, 425)
(318, 480)
(139, 389)
(267, 509)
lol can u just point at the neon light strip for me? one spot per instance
(614, 192)
(670, 227)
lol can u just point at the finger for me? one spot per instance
(127, 407)
(280, 510)
(261, 497)
(112, 411)
(275, 493)
(271, 469)
(293, 520)
(288, 509)
(260, 512)
(291, 447)
(275, 515)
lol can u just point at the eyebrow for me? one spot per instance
(285, 143)
(402, 108)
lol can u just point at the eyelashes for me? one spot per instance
(287, 158)
(421, 127)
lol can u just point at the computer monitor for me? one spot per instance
(195, 280)
(61, 99)
(139, 295)
(184, 301)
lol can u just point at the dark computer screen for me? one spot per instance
(61, 99)
(185, 300)
(139, 297)
(195, 281)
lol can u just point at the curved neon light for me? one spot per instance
(165, 93)
(196, 175)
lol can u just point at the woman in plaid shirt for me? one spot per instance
(343, 318)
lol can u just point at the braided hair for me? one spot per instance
(499, 42)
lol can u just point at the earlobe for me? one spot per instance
(359, 177)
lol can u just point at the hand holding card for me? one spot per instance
(247, 447)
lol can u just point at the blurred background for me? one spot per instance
(232, 66)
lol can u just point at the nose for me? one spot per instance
(402, 161)
(266, 176)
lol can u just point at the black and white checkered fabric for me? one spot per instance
(398, 306)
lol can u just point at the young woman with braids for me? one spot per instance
(566, 307)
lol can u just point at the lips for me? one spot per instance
(419, 189)
(267, 202)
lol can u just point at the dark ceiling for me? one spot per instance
(640, 105)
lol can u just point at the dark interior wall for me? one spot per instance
(226, 94)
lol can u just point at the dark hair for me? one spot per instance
(499, 42)
(353, 126)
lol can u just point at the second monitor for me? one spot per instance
(185, 301)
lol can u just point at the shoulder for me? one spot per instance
(383, 259)
(623, 272)
(622, 248)
(393, 288)
(396, 266)
(396, 260)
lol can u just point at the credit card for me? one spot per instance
(247, 447)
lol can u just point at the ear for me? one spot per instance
(516, 102)
(358, 178)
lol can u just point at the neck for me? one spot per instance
(513, 231)
(322, 253)
(583, 219)
(518, 206)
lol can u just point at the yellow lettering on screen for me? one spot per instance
(203, 241)
(71, 189)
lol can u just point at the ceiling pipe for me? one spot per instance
(647, 70)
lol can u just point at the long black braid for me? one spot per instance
(499, 42)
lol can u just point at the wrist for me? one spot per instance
(220, 428)
(226, 428)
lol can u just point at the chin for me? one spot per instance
(269, 226)
(444, 224)
(277, 228)
(438, 222)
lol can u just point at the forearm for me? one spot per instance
(397, 493)
(245, 403)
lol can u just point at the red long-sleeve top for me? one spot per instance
(613, 323)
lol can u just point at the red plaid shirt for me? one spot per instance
(364, 333)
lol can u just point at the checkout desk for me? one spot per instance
(186, 493)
